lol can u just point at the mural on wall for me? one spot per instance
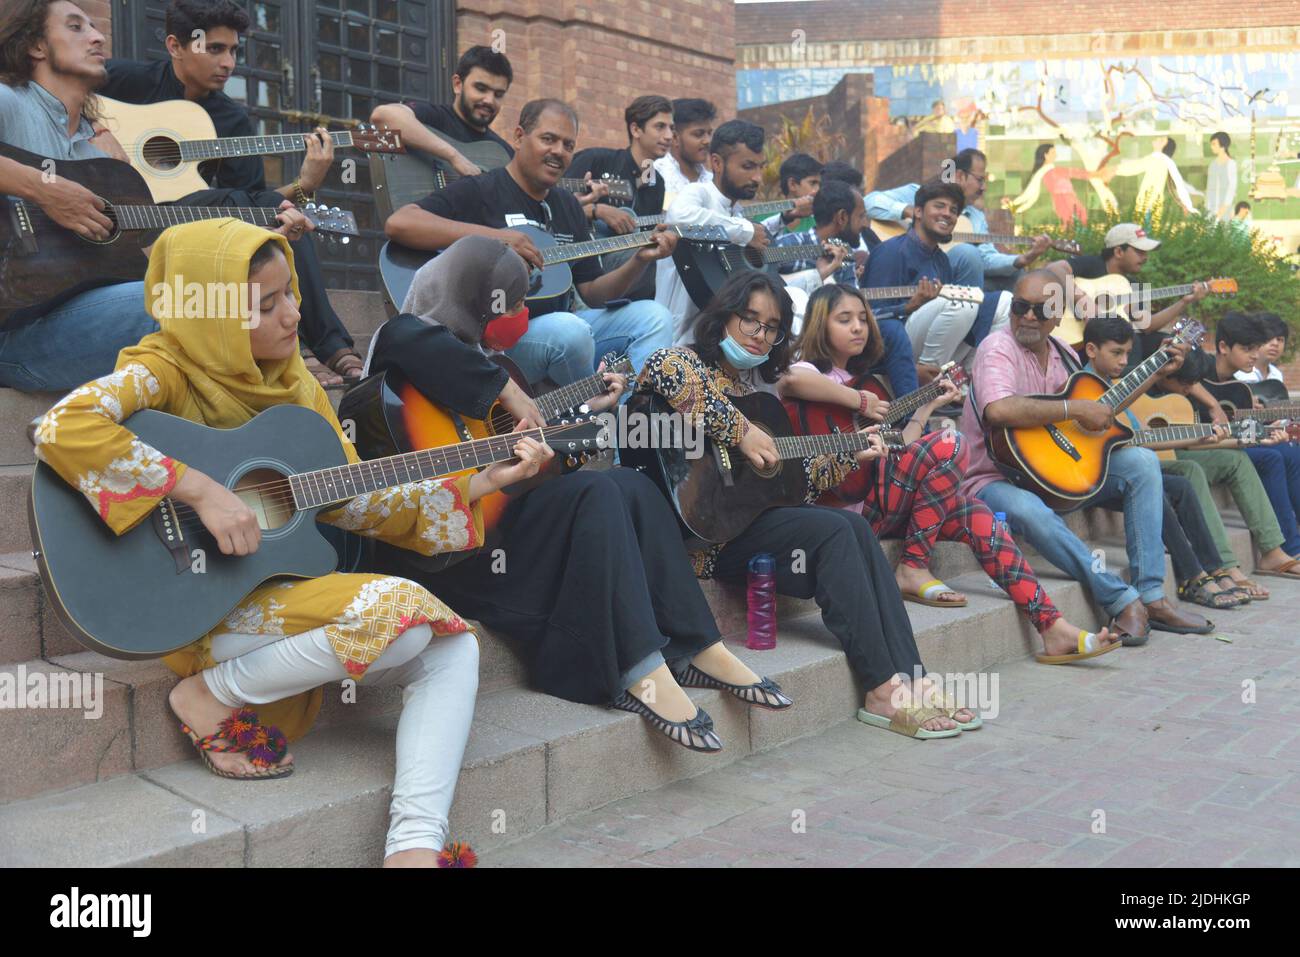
(1069, 136)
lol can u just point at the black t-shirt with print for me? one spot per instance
(444, 118)
(496, 201)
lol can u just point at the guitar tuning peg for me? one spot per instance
(336, 211)
(345, 240)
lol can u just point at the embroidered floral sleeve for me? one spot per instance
(827, 471)
(83, 440)
(689, 385)
(428, 517)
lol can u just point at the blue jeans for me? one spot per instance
(967, 265)
(1136, 478)
(77, 342)
(1279, 471)
(564, 346)
(897, 362)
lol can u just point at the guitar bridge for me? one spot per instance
(724, 464)
(20, 221)
(167, 526)
(1063, 443)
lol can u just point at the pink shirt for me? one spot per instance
(1002, 368)
(843, 377)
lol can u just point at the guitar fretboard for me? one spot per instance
(749, 212)
(574, 394)
(1171, 433)
(1119, 394)
(800, 446)
(902, 408)
(1270, 413)
(568, 252)
(160, 217)
(1164, 292)
(344, 482)
(232, 146)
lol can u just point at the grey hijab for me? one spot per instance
(472, 282)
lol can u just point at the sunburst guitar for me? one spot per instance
(389, 415)
(1063, 463)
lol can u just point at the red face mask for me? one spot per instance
(504, 331)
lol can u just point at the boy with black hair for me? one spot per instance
(1186, 530)
(1237, 341)
(688, 158)
(198, 71)
(935, 326)
(1269, 352)
(800, 178)
(852, 176)
(1228, 465)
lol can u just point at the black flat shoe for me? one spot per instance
(764, 694)
(695, 733)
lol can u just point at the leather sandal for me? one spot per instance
(347, 363)
(1195, 592)
(686, 733)
(765, 693)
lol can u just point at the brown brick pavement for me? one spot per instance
(1157, 737)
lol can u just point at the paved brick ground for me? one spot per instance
(1158, 739)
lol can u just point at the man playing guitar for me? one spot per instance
(559, 344)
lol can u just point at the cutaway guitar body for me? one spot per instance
(1061, 462)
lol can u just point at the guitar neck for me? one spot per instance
(902, 408)
(1000, 239)
(574, 394)
(345, 482)
(750, 211)
(1171, 433)
(234, 146)
(1270, 413)
(1164, 292)
(1122, 392)
(568, 252)
(801, 446)
(160, 217)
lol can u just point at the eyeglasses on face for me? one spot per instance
(750, 326)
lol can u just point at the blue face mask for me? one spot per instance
(739, 356)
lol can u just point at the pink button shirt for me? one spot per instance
(1002, 368)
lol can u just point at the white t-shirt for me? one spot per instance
(1253, 375)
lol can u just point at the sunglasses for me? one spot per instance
(1020, 307)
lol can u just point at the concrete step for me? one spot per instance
(532, 759)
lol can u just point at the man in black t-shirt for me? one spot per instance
(649, 122)
(1125, 252)
(480, 83)
(559, 344)
(199, 73)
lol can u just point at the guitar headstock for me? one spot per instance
(578, 435)
(962, 293)
(619, 188)
(332, 221)
(377, 139)
(1222, 286)
(1189, 331)
(954, 373)
(701, 234)
(617, 363)
(1067, 246)
(893, 439)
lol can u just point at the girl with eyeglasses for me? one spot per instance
(741, 345)
(915, 495)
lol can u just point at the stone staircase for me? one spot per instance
(125, 789)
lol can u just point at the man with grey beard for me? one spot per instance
(1023, 360)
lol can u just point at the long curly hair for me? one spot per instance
(22, 26)
(732, 299)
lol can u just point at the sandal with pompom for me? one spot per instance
(242, 732)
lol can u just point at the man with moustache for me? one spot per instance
(558, 344)
(1014, 364)
(736, 160)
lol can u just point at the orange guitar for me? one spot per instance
(1062, 463)
(388, 412)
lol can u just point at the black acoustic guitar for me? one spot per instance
(718, 496)
(548, 287)
(42, 264)
(164, 584)
(1236, 397)
(398, 179)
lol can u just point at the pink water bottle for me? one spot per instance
(761, 599)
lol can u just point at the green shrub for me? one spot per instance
(1195, 247)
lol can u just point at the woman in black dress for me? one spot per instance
(595, 584)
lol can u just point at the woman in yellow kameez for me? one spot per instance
(288, 637)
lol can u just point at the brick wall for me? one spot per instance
(908, 19)
(101, 11)
(600, 57)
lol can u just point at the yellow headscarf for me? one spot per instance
(227, 385)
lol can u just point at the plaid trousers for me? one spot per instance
(915, 497)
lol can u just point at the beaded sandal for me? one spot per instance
(764, 694)
(241, 731)
(686, 733)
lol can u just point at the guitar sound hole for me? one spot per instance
(113, 236)
(161, 153)
(766, 471)
(267, 493)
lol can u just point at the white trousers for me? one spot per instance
(439, 680)
(938, 328)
